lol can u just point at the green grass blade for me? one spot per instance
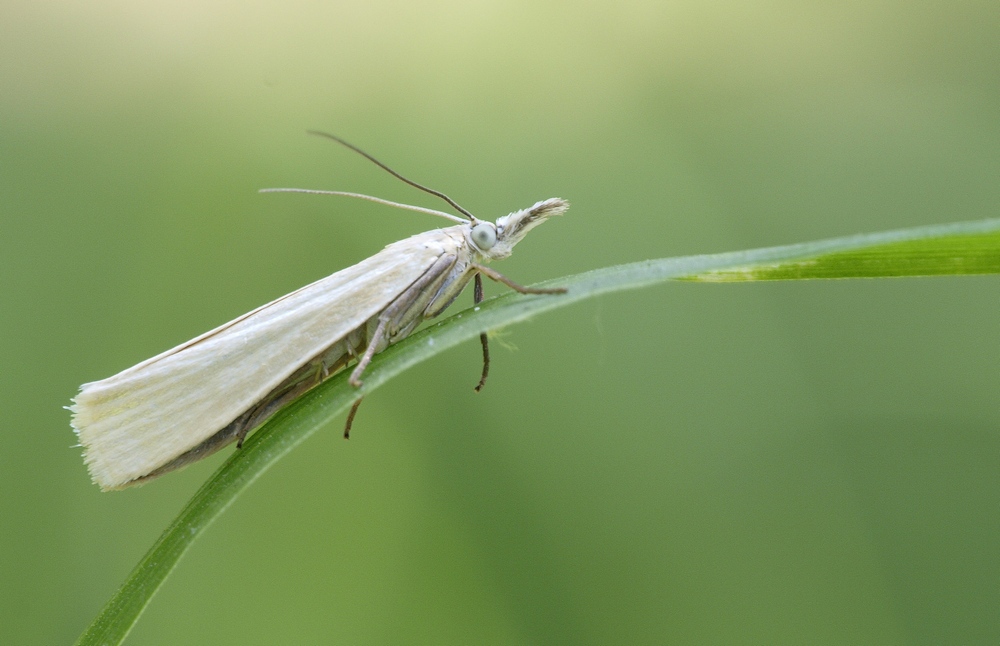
(965, 248)
(951, 249)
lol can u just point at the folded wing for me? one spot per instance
(145, 416)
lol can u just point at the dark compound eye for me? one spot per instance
(484, 236)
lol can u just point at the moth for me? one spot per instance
(190, 401)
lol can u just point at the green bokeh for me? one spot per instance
(781, 463)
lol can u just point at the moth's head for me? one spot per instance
(496, 241)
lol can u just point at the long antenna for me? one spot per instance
(370, 198)
(426, 189)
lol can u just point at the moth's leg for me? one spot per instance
(484, 339)
(377, 337)
(403, 308)
(221, 439)
(492, 274)
(244, 430)
(350, 418)
(302, 381)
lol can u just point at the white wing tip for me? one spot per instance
(90, 441)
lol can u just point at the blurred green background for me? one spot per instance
(783, 464)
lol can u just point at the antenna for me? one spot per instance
(370, 198)
(426, 189)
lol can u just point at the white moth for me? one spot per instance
(192, 400)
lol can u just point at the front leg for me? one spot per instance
(493, 274)
(478, 298)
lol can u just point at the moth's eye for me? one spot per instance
(484, 235)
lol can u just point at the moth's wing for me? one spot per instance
(143, 417)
